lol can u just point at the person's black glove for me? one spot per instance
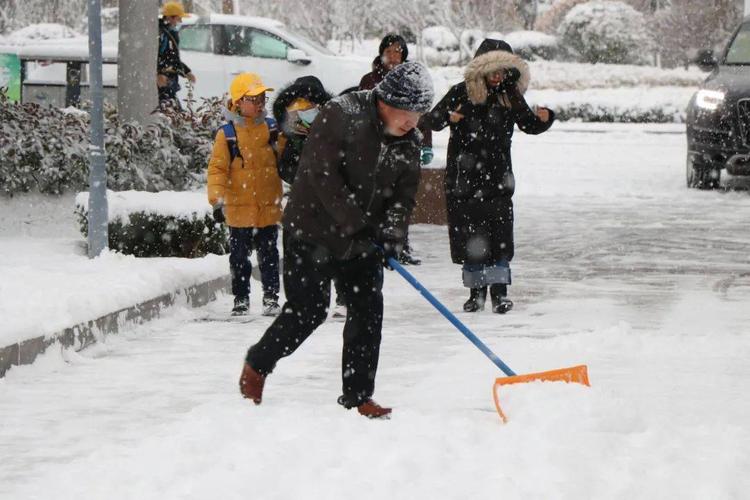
(510, 78)
(390, 249)
(219, 217)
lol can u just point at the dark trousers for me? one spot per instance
(308, 271)
(168, 93)
(242, 241)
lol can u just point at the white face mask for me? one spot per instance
(308, 115)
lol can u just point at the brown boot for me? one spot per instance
(251, 384)
(371, 409)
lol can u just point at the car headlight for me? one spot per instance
(709, 99)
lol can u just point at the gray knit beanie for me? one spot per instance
(408, 86)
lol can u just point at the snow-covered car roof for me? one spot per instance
(230, 19)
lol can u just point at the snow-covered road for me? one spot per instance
(618, 266)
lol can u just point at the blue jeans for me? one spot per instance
(242, 241)
(481, 275)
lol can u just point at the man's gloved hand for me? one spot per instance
(391, 244)
(427, 155)
(219, 217)
(390, 249)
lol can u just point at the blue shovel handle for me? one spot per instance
(450, 316)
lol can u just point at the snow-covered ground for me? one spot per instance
(47, 283)
(618, 266)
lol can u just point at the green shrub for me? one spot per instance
(143, 231)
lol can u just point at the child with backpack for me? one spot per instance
(244, 189)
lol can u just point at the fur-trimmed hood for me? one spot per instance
(489, 62)
(306, 87)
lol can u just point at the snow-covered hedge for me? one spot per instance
(37, 32)
(45, 149)
(533, 45)
(440, 47)
(165, 224)
(622, 105)
(606, 32)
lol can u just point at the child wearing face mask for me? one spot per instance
(244, 189)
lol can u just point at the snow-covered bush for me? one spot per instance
(606, 32)
(533, 45)
(165, 224)
(45, 149)
(37, 32)
(440, 46)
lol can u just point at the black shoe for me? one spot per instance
(501, 304)
(241, 306)
(477, 298)
(407, 259)
(271, 305)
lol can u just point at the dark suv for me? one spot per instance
(718, 118)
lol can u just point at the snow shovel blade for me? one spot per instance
(578, 374)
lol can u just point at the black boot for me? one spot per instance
(477, 298)
(407, 259)
(241, 306)
(501, 304)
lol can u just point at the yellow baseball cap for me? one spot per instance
(246, 84)
(300, 104)
(170, 9)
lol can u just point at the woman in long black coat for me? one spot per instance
(482, 112)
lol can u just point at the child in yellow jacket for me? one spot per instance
(245, 190)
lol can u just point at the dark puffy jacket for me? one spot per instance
(479, 181)
(354, 181)
(306, 87)
(168, 61)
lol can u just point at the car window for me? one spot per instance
(739, 50)
(197, 38)
(243, 41)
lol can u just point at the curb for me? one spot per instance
(84, 334)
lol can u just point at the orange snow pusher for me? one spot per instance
(577, 374)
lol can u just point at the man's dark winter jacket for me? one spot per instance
(168, 61)
(354, 182)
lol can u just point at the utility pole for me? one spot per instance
(97, 223)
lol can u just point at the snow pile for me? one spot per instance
(49, 284)
(606, 31)
(39, 32)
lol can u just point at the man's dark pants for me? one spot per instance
(308, 271)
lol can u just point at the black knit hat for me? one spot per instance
(389, 40)
(408, 86)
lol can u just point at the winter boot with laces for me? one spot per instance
(369, 409)
(241, 306)
(251, 384)
(501, 304)
(477, 298)
(271, 305)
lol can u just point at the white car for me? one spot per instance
(218, 47)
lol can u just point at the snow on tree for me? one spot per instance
(533, 44)
(36, 32)
(606, 32)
